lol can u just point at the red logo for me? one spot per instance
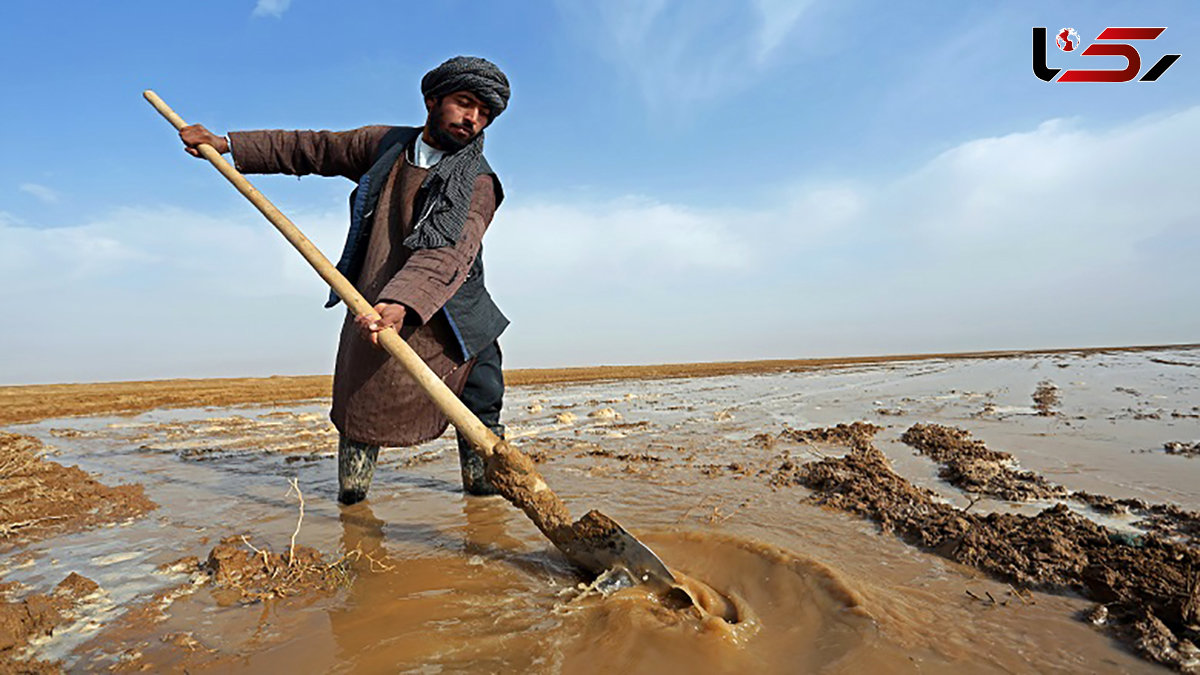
(1067, 40)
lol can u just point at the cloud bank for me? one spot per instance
(1058, 235)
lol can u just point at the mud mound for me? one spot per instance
(244, 574)
(968, 464)
(39, 497)
(1045, 398)
(1167, 520)
(843, 434)
(35, 615)
(605, 414)
(1185, 449)
(1149, 588)
(853, 435)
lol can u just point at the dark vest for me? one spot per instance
(473, 317)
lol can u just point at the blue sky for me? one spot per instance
(686, 180)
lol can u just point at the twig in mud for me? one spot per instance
(300, 496)
(383, 567)
(374, 565)
(972, 502)
(265, 557)
(8, 529)
(1017, 593)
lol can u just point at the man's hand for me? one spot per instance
(195, 134)
(390, 315)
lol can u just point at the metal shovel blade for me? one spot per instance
(620, 554)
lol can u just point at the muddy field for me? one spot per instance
(998, 513)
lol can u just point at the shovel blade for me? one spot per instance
(613, 549)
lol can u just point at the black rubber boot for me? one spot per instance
(471, 463)
(483, 395)
(356, 467)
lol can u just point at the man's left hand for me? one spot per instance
(390, 315)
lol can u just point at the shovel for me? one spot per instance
(594, 543)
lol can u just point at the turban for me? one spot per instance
(478, 76)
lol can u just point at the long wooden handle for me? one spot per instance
(450, 405)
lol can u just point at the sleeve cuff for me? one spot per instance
(421, 304)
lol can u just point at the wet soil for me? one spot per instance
(245, 573)
(1166, 520)
(1149, 588)
(969, 465)
(36, 615)
(1045, 398)
(1184, 449)
(419, 577)
(851, 434)
(39, 497)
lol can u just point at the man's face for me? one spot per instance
(456, 119)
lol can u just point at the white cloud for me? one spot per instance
(43, 193)
(1056, 236)
(635, 238)
(157, 292)
(674, 53)
(274, 8)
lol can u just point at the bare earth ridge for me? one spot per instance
(30, 403)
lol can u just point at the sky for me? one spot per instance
(685, 181)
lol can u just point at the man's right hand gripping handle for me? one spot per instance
(195, 134)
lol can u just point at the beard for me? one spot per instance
(444, 139)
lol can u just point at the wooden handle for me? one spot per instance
(450, 405)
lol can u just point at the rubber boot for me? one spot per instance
(356, 467)
(471, 464)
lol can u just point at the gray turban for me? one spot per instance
(478, 76)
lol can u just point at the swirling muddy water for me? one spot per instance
(448, 583)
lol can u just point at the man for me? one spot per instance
(425, 196)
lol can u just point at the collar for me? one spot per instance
(425, 155)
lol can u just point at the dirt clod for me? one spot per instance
(253, 574)
(969, 465)
(1151, 588)
(1045, 398)
(76, 586)
(852, 435)
(1184, 449)
(34, 615)
(41, 497)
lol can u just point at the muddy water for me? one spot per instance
(467, 584)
